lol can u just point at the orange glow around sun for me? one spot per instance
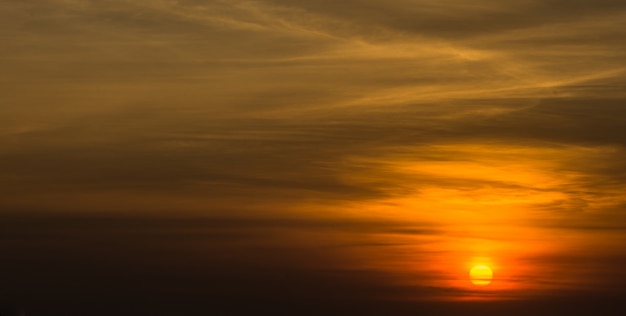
(488, 206)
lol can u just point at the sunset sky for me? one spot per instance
(312, 157)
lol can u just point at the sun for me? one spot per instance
(481, 275)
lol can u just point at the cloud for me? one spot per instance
(419, 132)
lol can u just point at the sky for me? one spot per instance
(294, 157)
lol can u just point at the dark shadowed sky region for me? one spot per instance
(299, 157)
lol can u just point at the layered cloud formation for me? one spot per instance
(392, 139)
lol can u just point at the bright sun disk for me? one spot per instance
(481, 275)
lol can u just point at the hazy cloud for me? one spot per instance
(389, 139)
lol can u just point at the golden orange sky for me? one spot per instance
(349, 151)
